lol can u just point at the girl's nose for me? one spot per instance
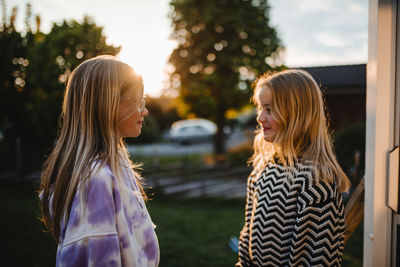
(261, 117)
(145, 112)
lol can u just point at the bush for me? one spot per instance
(163, 111)
(239, 155)
(347, 142)
(150, 132)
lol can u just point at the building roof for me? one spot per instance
(339, 76)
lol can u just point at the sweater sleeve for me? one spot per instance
(244, 257)
(90, 237)
(91, 251)
(319, 227)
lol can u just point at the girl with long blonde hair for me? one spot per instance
(92, 199)
(294, 214)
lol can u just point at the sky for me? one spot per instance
(313, 32)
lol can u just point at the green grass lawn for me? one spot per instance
(190, 232)
(23, 242)
(196, 232)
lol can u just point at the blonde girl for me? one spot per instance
(294, 213)
(91, 198)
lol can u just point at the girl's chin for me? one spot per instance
(138, 132)
(268, 138)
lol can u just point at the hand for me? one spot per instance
(234, 244)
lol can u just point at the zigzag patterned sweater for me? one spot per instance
(291, 222)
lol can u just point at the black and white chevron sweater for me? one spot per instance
(291, 222)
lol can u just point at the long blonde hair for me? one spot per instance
(89, 134)
(302, 135)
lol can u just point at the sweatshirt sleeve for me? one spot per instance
(91, 251)
(244, 257)
(90, 237)
(319, 227)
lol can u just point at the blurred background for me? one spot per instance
(198, 60)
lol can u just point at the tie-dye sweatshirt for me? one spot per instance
(108, 227)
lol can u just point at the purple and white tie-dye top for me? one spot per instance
(108, 227)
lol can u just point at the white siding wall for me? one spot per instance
(380, 127)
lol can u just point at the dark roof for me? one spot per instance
(339, 76)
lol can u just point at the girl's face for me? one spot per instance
(265, 117)
(132, 126)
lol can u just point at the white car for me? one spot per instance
(192, 130)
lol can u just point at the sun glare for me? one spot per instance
(148, 61)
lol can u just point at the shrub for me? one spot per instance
(239, 155)
(150, 132)
(347, 142)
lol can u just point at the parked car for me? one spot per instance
(192, 130)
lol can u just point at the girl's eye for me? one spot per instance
(267, 109)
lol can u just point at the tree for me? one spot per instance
(52, 58)
(222, 46)
(12, 72)
(34, 70)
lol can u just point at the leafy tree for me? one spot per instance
(222, 46)
(34, 70)
(52, 58)
(12, 72)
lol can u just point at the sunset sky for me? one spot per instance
(314, 32)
